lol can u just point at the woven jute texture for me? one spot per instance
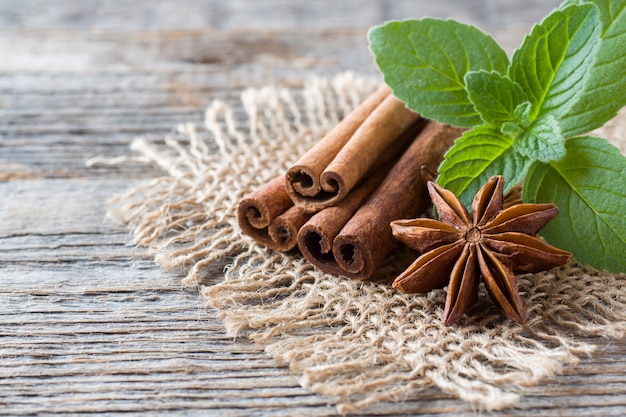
(357, 342)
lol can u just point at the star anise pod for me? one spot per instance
(491, 242)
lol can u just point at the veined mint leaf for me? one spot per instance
(554, 61)
(475, 157)
(522, 113)
(605, 91)
(589, 187)
(425, 62)
(494, 96)
(543, 141)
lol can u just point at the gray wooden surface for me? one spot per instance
(89, 324)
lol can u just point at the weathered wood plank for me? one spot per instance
(275, 15)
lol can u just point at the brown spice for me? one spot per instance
(365, 140)
(269, 216)
(315, 238)
(492, 242)
(365, 237)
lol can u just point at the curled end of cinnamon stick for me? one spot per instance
(280, 233)
(252, 214)
(269, 217)
(300, 180)
(283, 230)
(344, 258)
(316, 247)
(313, 192)
(351, 259)
(333, 183)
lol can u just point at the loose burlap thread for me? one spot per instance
(360, 343)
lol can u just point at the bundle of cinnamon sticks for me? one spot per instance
(336, 202)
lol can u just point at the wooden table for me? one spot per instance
(89, 323)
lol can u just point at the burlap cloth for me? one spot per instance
(357, 342)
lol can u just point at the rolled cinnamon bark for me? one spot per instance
(303, 178)
(359, 143)
(315, 238)
(366, 238)
(269, 216)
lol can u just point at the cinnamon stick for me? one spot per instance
(315, 238)
(269, 216)
(366, 239)
(326, 173)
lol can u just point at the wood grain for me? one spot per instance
(89, 324)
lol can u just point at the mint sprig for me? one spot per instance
(565, 79)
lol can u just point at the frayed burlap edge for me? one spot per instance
(358, 343)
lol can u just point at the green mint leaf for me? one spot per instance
(575, 2)
(425, 62)
(475, 157)
(589, 187)
(542, 142)
(494, 96)
(522, 113)
(511, 130)
(604, 93)
(554, 61)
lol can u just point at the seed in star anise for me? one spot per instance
(492, 242)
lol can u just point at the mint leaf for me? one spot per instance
(552, 64)
(494, 96)
(475, 157)
(589, 187)
(425, 62)
(605, 91)
(522, 113)
(542, 142)
(570, 2)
